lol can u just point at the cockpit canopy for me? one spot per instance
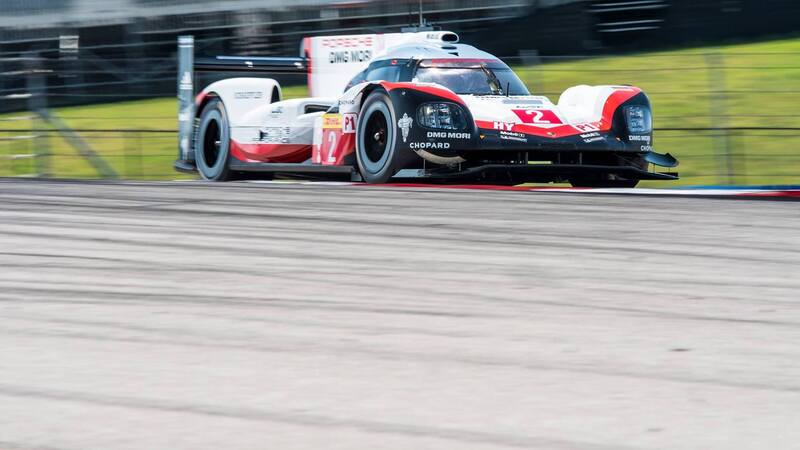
(471, 76)
(460, 75)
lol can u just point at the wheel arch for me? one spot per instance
(203, 99)
(369, 89)
(240, 96)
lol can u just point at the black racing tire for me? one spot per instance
(376, 139)
(212, 143)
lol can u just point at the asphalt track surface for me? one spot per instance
(248, 316)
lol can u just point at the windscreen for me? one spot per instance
(476, 77)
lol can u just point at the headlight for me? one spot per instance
(445, 116)
(639, 119)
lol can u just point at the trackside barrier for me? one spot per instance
(185, 97)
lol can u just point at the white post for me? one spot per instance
(185, 98)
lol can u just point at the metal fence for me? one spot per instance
(729, 116)
(136, 58)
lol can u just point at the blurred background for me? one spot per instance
(87, 87)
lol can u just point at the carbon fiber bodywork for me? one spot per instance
(495, 155)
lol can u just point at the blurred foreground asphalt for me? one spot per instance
(251, 316)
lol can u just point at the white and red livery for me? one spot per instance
(417, 105)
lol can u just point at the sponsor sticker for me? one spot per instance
(505, 126)
(513, 136)
(350, 120)
(330, 121)
(349, 56)
(429, 145)
(587, 127)
(276, 111)
(186, 82)
(592, 137)
(405, 124)
(347, 42)
(448, 135)
(274, 135)
(644, 138)
(248, 95)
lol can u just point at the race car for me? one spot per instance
(415, 106)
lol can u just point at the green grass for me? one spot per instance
(678, 84)
(761, 84)
(139, 155)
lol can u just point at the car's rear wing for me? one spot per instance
(250, 64)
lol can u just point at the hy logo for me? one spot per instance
(405, 123)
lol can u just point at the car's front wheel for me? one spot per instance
(376, 151)
(212, 142)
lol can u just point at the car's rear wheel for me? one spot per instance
(212, 142)
(376, 151)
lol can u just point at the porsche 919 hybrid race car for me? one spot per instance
(412, 106)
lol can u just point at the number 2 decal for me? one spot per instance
(538, 116)
(332, 147)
